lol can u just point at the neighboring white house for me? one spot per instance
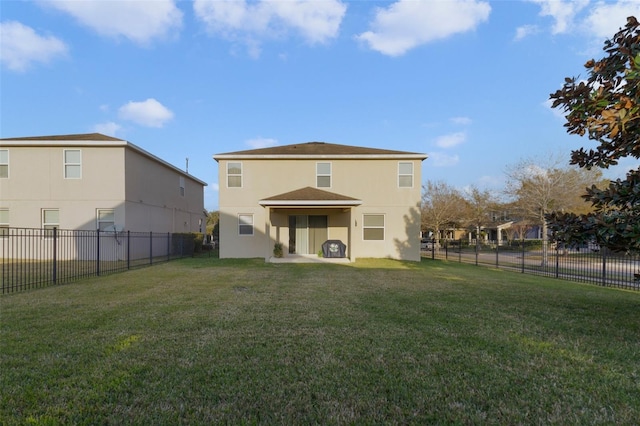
(93, 181)
(302, 195)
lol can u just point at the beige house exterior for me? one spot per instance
(93, 181)
(302, 195)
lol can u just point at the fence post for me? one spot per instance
(98, 252)
(128, 249)
(522, 243)
(55, 255)
(433, 248)
(477, 249)
(557, 260)
(604, 268)
(497, 252)
(150, 247)
(168, 246)
(460, 250)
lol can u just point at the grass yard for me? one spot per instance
(204, 341)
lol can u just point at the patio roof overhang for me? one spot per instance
(310, 197)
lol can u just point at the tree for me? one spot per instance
(442, 205)
(479, 205)
(212, 223)
(541, 186)
(606, 108)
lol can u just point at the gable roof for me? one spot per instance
(77, 137)
(318, 150)
(309, 196)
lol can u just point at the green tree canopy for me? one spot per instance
(606, 108)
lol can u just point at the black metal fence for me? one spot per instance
(33, 258)
(588, 263)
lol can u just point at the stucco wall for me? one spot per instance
(150, 201)
(36, 181)
(375, 182)
(154, 200)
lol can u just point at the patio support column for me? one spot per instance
(350, 234)
(267, 234)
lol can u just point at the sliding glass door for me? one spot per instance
(307, 233)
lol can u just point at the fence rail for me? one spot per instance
(33, 258)
(588, 263)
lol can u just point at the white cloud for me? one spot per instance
(451, 140)
(605, 19)
(562, 11)
(440, 159)
(525, 31)
(138, 21)
(462, 121)
(21, 46)
(261, 142)
(601, 20)
(109, 128)
(316, 21)
(239, 20)
(407, 24)
(150, 113)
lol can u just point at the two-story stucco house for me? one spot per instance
(305, 194)
(93, 181)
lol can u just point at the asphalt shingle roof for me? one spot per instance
(317, 149)
(310, 194)
(76, 137)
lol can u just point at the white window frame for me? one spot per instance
(4, 223)
(229, 175)
(101, 223)
(66, 164)
(48, 226)
(404, 175)
(4, 162)
(243, 223)
(182, 186)
(319, 175)
(365, 227)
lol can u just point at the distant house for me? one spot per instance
(304, 194)
(93, 181)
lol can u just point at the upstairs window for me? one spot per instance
(182, 186)
(105, 219)
(234, 175)
(323, 175)
(4, 163)
(405, 175)
(373, 227)
(72, 164)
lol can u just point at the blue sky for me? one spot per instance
(465, 81)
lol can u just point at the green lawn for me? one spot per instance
(204, 341)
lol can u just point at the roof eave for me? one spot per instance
(309, 203)
(321, 156)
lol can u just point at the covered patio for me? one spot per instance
(302, 220)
